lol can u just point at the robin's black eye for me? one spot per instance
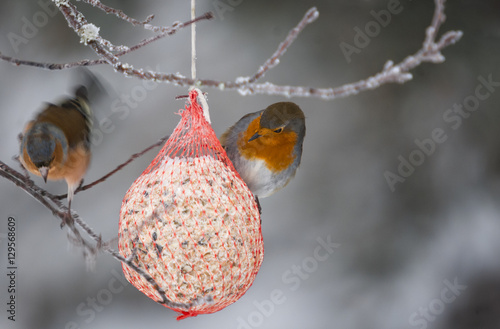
(279, 130)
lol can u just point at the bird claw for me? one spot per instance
(79, 186)
(100, 243)
(67, 219)
(258, 207)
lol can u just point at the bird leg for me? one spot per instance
(79, 186)
(258, 206)
(68, 219)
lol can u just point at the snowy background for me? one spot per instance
(423, 255)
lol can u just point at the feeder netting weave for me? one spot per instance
(191, 223)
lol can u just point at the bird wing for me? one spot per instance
(70, 118)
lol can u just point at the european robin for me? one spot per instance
(266, 147)
(56, 144)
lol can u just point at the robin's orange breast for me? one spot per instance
(275, 149)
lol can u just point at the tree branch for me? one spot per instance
(399, 73)
(61, 66)
(310, 16)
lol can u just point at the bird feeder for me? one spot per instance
(191, 223)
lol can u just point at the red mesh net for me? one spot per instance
(191, 223)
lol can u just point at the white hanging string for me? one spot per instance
(193, 40)
(201, 98)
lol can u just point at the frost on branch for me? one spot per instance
(88, 32)
(59, 3)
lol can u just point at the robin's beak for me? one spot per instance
(44, 172)
(255, 136)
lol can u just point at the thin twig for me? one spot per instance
(437, 20)
(118, 168)
(118, 13)
(310, 16)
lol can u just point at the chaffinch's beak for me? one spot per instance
(44, 172)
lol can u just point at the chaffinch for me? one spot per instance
(56, 144)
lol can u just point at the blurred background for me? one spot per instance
(420, 251)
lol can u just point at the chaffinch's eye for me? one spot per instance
(279, 130)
